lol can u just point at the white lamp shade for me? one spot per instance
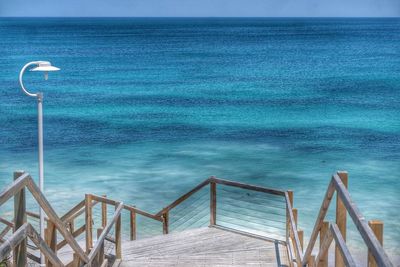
(45, 66)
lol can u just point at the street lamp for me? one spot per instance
(43, 66)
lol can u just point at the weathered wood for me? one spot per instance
(7, 223)
(208, 246)
(301, 238)
(41, 244)
(70, 215)
(88, 222)
(104, 213)
(293, 229)
(5, 231)
(104, 233)
(75, 234)
(100, 255)
(288, 231)
(19, 253)
(311, 261)
(14, 188)
(183, 197)
(366, 232)
(45, 205)
(318, 223)
(13, 241)
(377, 229)
(51, 240)
(324, 233)
(326, 238)
(213, 203)
(248, 186)
(295, 212)
(165, 217)
(118, 237)
(127, 207)
(132, 220)
(341, 244)
(341, 213)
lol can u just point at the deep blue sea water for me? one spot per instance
(143, 109)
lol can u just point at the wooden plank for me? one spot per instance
(341, 214)
(127, 207)
(377, 229)
(165, 217)
(366, 232)
(105, 232)
(52, 215)
(132, 224)
(183, 197)
(41, 244)
(104, 213)
(70, 215)
(213, 203)
(101, 250)
(341, 243)
(51, 239)
(19, 252)
(318, 223)
(75, 234)
(7, 223)
(118, 237)
(88, 222)
(323, 257)
(326, 240)
(293, 229)
(14, 188)
(13, 241)
(248, 186)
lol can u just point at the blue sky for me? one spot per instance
(195, 8)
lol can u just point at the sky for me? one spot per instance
(200, 8)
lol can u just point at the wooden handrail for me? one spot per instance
(126, 207)
(21, 234)
(248, 186)
(104, 233)
(336, 185)
(183, 197)
(25, 180)
(293, 225)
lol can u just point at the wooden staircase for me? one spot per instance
(216, 245)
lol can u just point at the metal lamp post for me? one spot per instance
(43, 66)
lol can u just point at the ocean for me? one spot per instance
(143, 109)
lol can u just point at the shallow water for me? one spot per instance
(144, 109)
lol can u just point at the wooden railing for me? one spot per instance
(17, 242)
(94, 254)
(337, 230)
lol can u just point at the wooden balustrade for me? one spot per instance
(94, 255)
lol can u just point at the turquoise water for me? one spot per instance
(144, 109)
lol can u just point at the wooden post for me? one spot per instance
(76, 261)
(324, 229)
(118, 249)
(103, 213)
(288, 231)
(165, 222)
(311, 261)
(213, 203)
(19, 252)
(88, 222)
(133, 225)
(72, 226)
(100, 255)
(295, 213)
(301, 238)
(341, 214)
(51, 239)
(377, 228)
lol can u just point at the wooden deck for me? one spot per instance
(203, 247)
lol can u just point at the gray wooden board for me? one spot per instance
(203, 247)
